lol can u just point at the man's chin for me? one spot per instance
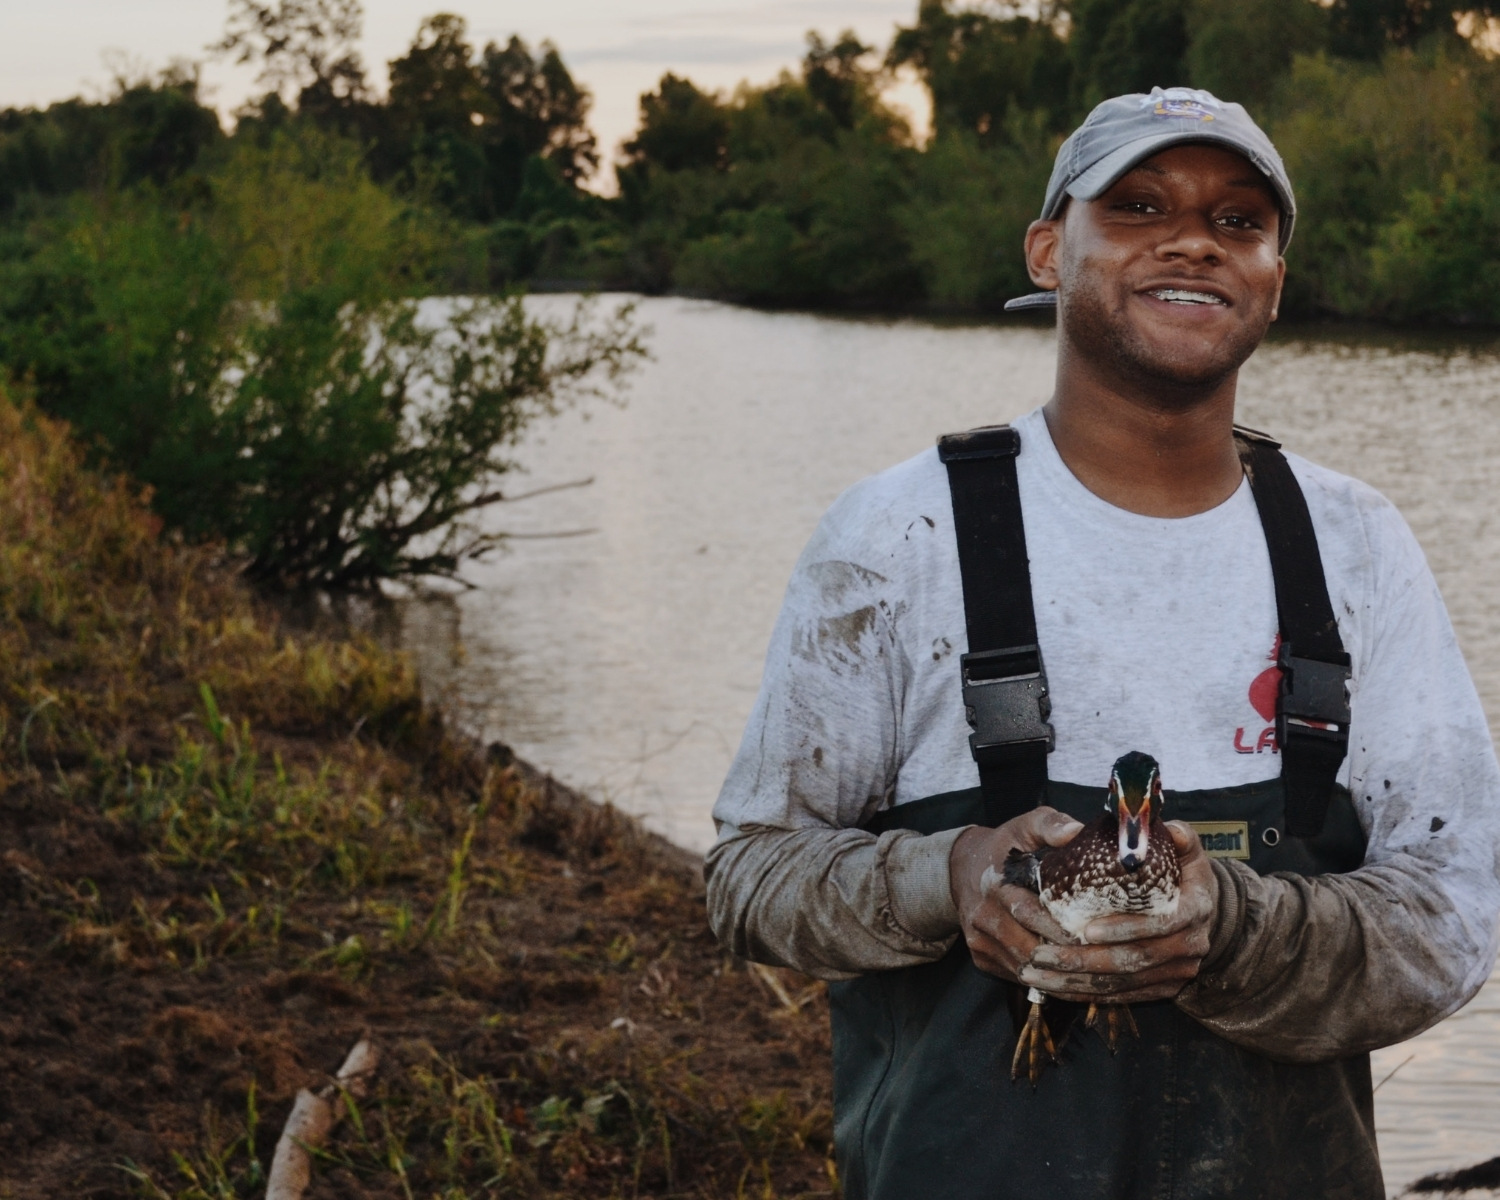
(1175, 364)
(1185, 365)
(1185, 374)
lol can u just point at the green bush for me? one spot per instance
(968, 217)
(1439, 260)
(254, 352)
(1361, 142)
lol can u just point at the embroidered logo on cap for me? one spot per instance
(1188, 103)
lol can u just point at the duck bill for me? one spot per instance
(1135, 834)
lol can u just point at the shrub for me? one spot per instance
(967, 221)
(1439, 260)
(1359, 141)
(257, 356)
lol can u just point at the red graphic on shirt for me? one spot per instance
(1264, 689)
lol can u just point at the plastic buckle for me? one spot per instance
(1314, 699)
(1006, 702)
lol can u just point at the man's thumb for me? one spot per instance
(1058, 829)
(1185, 837)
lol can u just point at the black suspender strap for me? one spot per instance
(1312, 712)
(1005, 685)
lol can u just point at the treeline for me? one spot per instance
(810, 190)
(235, 318)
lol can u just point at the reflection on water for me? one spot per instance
(625, 661)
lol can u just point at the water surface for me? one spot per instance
(624, 658)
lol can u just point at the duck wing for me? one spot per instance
(1025, 869)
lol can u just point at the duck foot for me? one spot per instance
(1034, 1041)
(1118, 1019)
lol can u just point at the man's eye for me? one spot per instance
(1136, 206)
(1239, 221)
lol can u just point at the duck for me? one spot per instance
(1122, 862)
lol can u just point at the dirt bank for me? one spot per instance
(227, 851)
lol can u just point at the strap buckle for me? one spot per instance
(988, 441)
(1314, 699)
(1006, 702)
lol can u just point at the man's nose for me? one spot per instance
(1193, 236)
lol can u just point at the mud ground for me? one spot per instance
(113, 1060)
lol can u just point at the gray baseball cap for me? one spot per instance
(1122, 133)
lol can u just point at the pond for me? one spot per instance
(618, 642)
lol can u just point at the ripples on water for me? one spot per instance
(626, 660)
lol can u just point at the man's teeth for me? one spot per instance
(1183, 296)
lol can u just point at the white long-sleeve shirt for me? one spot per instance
(1158, 635)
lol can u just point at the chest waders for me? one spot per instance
(924, 1103)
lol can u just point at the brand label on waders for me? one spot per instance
(1224, 839)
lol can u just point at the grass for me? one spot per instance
(231, 848)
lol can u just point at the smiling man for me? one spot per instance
(973, 637)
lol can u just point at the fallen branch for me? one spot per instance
(313, 1116)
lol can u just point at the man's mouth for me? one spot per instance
(1185, 296)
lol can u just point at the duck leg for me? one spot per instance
(1034, 1040)
(1118, 1019)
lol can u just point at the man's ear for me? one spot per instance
(1043, 243)
(1280, 283)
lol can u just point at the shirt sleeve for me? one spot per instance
(792, 881)
(1319, 967)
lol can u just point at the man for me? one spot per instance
(1173, 591)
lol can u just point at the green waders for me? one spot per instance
(924, 1102)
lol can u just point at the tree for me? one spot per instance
(302, 46)
(981, 64)
(537, 107)
(255, 353)
(1241, 51)
(1122, 46)
(1366, 29)
(474, 121)
(833, 77)
(681, 128)
(149, 130)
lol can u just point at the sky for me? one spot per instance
(53, 49)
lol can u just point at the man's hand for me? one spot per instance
(1004, 926)
(1127, 959)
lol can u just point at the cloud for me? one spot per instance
(700, 48)
(801, 14)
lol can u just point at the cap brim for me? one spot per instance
(1034, 300)
(1098, 179)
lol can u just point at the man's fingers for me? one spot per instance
(1158, 991)
(1136, 927)
(1027, 911)
(1122, 959)
(1041, 827)
(1195, 906)
(1185, 839)
(1057, 829)
(1071, 985)
(996, 940)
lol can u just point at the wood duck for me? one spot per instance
(1123, 862)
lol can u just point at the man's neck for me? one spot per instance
(1160, 455)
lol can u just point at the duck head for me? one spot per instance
(1134, 787)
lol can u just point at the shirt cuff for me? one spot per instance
(1229, 920)
(917, 882)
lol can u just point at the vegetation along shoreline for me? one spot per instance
(809, 189)
(231, 850)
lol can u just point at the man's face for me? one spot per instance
(1172, 275)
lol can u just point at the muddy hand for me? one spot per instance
(1003, 926)
(1132, 958)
